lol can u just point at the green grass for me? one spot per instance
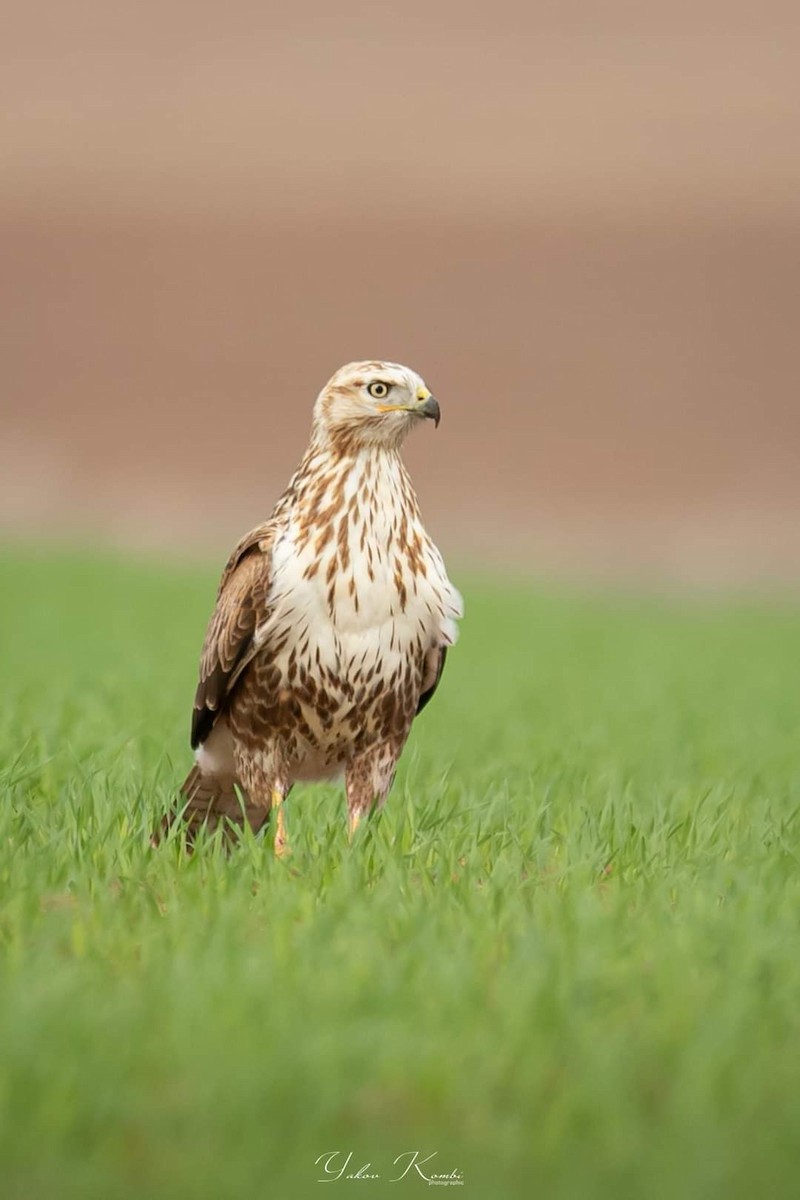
(566, 958)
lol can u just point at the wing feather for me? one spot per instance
(434, 665)
(230, 638)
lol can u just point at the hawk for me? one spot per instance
(332, 620)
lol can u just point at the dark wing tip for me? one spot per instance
(428, 694)
(202, 724)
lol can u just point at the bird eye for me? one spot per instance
(378, 390)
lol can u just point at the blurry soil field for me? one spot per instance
(619, 394)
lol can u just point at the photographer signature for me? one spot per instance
(335, 1165)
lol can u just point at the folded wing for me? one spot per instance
(230, 638)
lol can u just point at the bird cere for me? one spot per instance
(332, 620)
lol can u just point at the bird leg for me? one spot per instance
(282, 848)
(368, 778)
(267, 788)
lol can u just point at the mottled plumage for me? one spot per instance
(332, 619)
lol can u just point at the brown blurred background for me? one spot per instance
(579, 221)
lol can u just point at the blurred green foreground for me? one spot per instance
(565, 961)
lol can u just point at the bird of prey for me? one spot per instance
(332, 620)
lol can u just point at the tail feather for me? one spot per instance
(208, 800)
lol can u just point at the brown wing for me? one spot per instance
(434, 665)
(230, 643)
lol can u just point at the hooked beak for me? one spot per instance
(430, 408)
(426, 406)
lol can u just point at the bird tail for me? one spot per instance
(206, 800)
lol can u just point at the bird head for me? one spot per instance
(373, 404)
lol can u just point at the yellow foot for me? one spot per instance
(282, 847)
(353, 822)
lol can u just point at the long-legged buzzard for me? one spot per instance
(332, 619)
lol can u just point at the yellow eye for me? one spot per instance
(378, 390)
